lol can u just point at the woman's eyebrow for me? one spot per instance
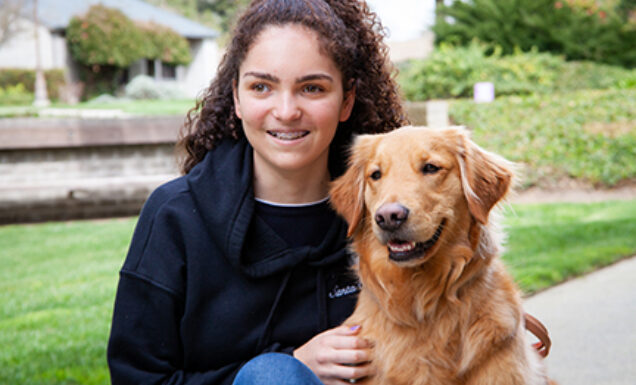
(314, 77)
(274, 79)
(262, 75)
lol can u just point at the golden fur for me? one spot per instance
(452, 315)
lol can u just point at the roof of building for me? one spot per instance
(56, 15)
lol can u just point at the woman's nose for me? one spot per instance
(287, 108)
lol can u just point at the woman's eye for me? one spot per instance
(376, 175)
(430, 168)
(312, 89)
(260, 87)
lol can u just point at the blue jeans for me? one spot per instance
(275, 369)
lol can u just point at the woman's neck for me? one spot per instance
(291, 186)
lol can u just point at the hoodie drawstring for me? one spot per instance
(262, 342)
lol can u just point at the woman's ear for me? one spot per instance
(347, 192)
(237, 105)
(486, 177)
(347, 104)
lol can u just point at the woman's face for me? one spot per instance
(290, 99)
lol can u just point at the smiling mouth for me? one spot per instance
(402, 251)
(288, 135)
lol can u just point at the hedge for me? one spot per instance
(451, 72)
(11, 77)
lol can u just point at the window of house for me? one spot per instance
(150, 68)
(168, 71)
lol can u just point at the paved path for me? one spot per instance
(592, 323)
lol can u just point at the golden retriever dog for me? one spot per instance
(436, 301)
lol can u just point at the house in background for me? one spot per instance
(55, 15)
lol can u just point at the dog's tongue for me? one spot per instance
(400, 246)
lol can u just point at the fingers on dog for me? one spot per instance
(352, 356)
(356, 372)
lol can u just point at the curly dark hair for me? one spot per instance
(348, 32)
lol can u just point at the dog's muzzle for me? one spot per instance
(402, 251)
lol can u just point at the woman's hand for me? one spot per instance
(337, 355)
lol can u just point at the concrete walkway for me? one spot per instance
(592, 323)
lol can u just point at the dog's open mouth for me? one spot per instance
(401, 251)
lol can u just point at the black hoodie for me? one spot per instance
(207, 285)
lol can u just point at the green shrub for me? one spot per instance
(54, 81)
(144, 87)
(15, 95)
(451, 72)
(104, 42)
(104, 36)
(626, 81)
(577, 75)
(588, 135)
(597, 34)
(100, 79)
(165, 44)
(10, 77)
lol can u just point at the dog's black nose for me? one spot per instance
(390, 216)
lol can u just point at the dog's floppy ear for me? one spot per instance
(486, 177)
(347, 192)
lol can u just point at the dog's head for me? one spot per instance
(416, 188)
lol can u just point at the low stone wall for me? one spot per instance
(69, 168)
(53, 169)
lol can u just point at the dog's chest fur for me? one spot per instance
(443, 336)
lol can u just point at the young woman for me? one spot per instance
(238, 271)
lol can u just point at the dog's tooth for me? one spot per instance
(402, 247)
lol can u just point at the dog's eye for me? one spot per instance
(430, 168)
(376, 175)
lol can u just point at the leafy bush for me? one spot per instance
(558, 26)
(590, 75)
(100, 79)
(588, 135)
(11, 77)
(451, 72)
(165, 44)
(104, 36)
(145, 87)
(105, 41)
(15, 95)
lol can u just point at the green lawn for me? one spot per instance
(550, 243)
(132, 107)
(58, 280)
(57, 286)
(141, 107)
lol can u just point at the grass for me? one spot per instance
(141, 107)
(550, 243)
(58, 280)
(131, 107)
(57, 287)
